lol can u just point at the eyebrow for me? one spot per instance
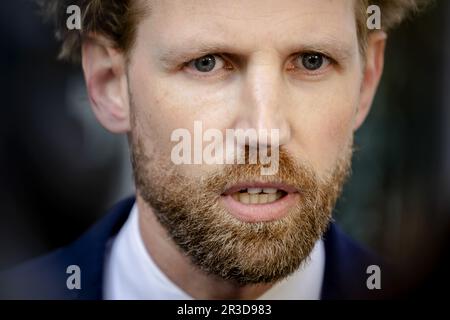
(191, 50)
(195, 48)
(331, 45)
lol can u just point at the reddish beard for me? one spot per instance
(218, 243)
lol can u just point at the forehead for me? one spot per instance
(250, 23)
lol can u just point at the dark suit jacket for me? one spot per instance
(45, 277)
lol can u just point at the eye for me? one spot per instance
(206, 63)
(311, 61)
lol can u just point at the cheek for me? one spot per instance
(325, 126)
(164, 105)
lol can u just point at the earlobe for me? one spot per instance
(106, 79)
(372, 73)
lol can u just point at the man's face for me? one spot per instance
(258, 81)
(291, 65)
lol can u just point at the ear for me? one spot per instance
(105, 74)
(372, 72)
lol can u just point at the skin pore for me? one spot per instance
(260, 81)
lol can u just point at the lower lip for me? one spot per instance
(260, 212)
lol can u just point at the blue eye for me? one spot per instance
(312, 61)
(208, 66)
(204, 64)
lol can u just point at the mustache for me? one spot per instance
(291, 172)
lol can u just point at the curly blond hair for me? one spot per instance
(117, 20)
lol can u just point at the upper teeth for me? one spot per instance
(259, 190)
(255, 196)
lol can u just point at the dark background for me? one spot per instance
(60, 171)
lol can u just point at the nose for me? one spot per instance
(264, 100)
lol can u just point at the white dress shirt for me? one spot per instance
(131, 273)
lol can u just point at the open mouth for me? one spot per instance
(258, 195)
(259, 201)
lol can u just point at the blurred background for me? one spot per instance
(60, 170)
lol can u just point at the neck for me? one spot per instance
(180, 270)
